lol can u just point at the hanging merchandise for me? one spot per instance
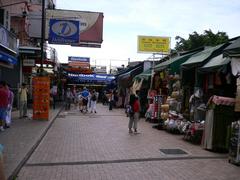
(237, 105)
(157, 101)
(219, 117)
(234, 147)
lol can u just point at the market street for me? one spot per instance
(98, 146)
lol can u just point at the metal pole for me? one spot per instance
(153, 65)
(42, 35)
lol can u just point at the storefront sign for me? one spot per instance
(91, 77)
(91, 25)
(83, 62)
(63, 31)
(41, 98)
(154, 44)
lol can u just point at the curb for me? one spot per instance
(14, 174)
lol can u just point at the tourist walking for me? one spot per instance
(4, 97)
(85, 96)
(111, 100)
(93, 101)
(54, 94)
(134, 113)
(68, 99)
(9, 109)
(23, 91)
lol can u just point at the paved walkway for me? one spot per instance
(98, 146)
(21, 139)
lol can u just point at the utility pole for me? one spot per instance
(42, 36)
(152, 77)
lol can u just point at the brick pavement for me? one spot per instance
(21, 138)
(98, 146)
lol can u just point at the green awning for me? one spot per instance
(200, 57)
(215, 63)
(131, 73)
(144, 75)
(233, 50)
(173, 64)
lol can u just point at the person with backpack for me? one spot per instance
(134, 109)
(85, 95)
(93, 101)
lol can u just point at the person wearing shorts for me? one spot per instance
(85, 94)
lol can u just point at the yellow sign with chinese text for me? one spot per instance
(154, 44)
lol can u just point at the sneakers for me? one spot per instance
(130, 131)
(1, 128)
(6, 126)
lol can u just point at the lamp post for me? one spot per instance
(152, 77)
(42, 36)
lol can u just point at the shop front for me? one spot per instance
(9, 64)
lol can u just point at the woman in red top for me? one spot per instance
(134, 116)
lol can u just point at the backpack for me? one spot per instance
(94, 98)
(130, 111)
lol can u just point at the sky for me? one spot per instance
(125, 20)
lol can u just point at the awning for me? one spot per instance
(215, 63)
(8, 58)
(144, 75)
(233, 50)
(131, 73)
(29, 50)
(173, 64)
(201, 57)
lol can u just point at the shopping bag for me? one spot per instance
(9, 117)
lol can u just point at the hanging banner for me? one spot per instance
(63, 31)
(90, 23)
(154, 44)
(91, 78)
(83, 62)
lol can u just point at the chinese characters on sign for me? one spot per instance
(154, 44)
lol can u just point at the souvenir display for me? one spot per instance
(234, 147)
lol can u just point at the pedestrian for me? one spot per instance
(111, 99)
(68, 98)
(80, 101)
(85, 96)
(2, 174)
(134, 113)
(23, 91)
(93, 101)
(104, 98)
(4, 98)
(9, 109)
(53, 94)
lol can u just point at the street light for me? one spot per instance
(42, 36)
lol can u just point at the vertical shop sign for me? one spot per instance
(41, 98)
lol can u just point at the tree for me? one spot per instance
(195, 40)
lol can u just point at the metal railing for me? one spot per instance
(8, 39)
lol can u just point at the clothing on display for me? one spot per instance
(234, 147)
(219, 117)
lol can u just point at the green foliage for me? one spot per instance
(195, 40)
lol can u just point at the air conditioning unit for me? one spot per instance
(5, 18)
